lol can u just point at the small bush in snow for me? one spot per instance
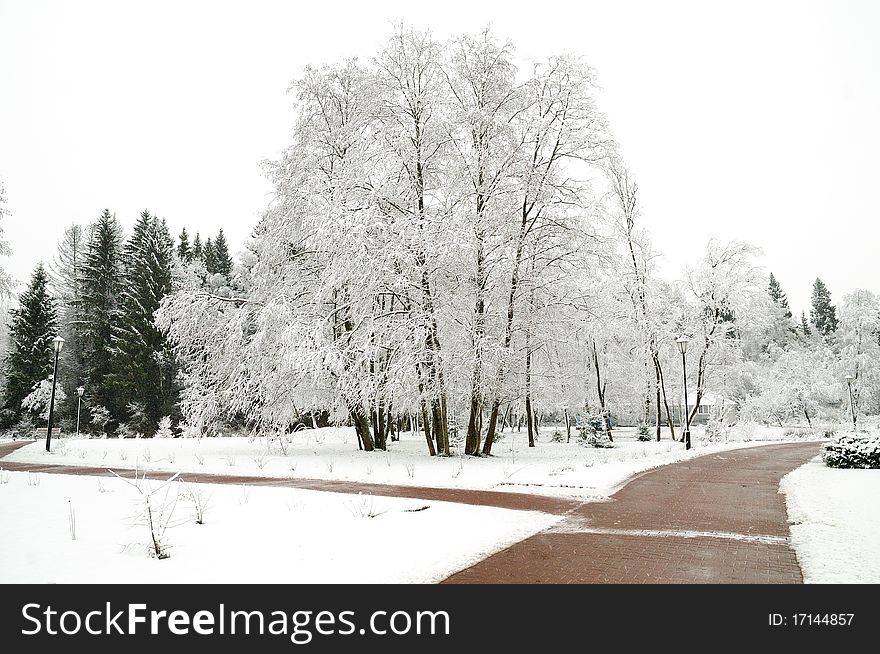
(200, 458)
(230, 460)
(853, 451)
(4, 476)
(33, 479)
(260, 460)
(593, 432)
(165, 430)
(643, 433)
(245, 496)
(198, 497)
(410, 469)
(155, 510)
(363, 507)
(715, 431)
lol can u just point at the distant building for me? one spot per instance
(711, 405)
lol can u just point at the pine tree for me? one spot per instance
(823, 314)
(210, 257)
(67, 279)
(101, 288)
(144, 367)
(222, 260)
(197, 250)
(778, 296)
(805, 326)
(184, 252)
(31, 357)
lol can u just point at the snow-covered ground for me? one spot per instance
(835, 520)
(563, 469)
(259, 535)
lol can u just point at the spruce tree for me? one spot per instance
(222, 260)
(101, 288)
(823, 314)
(144, 372)
(184, 252)
(805, 326)
(778, 296)
(210, 257)
(197, 250)
(67, 279)
(30, 359)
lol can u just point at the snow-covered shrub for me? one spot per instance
(24, 427)
(557, 437)
(37, 401)
(196, 495)
(189, 431)
(593, 431)
(155, 510)
(743, 431)
(138, 420)
(853, 451)
(99, 416)
(363, 507)
(124, 431)
(165, 430)
(643, 433)
(715, 431)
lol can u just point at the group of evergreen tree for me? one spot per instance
(214, 253)
(100, 295)
(823, 314)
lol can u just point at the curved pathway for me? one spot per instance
(718, 518)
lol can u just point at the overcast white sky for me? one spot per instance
(750, 120)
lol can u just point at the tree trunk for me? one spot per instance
(567, 425)
(529, 412)
(600, 388)
(362, 427)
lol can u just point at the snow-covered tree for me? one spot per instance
(823, 314)
(859, 337)
(30, 358)
(101, 292)
(37, 401)
(143, 365)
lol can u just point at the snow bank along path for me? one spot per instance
(835, 519)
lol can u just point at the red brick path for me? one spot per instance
(654, 529)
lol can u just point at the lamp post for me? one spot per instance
(682, 342)
(852, 405)
(79, 391)
(57, 344)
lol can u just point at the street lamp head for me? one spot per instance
(80, 390)
(57, 344)
(849, 379)
(682, 342)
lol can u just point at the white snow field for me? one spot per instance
(835, 518)
(253, 535)
(550, 468)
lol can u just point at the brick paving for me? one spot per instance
(654, 530)
(718, 518)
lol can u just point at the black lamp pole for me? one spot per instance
(852, 404)
(682, 342)
(57, 344)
